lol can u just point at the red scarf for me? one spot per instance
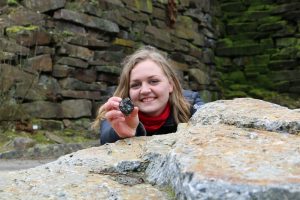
(152, 124)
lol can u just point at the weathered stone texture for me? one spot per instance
(260, 28)
(81, 44)
(40, 63)
(23, 16)
(214, 156)
(250, 113)
(86, 20)
(41, 6)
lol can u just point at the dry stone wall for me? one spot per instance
(258, 53)
(243, 149)
(60, 59)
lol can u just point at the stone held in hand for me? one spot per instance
(126, 106)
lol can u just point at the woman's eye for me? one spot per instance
(134, 85)
(153, 82)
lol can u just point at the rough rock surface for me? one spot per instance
(233, 149)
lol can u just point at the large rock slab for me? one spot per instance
(217, 155)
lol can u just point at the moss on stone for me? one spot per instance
(237, 77)
(269, 19)
(256, 37)
(264, 81)
(12, 2)
(144, 5)
(229, 94)
(124, 42)
(258, 93)
(225, 42)
(256, 68)
(17, 29)
(67, 34)
(73, 5)
(40, 138)
(94, 2)
(239, 87)
(260, 6)
(282, 99)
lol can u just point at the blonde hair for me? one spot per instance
(180, 106)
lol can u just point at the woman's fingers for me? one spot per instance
(113, 114)
(112, 103)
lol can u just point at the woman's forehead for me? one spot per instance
(146, 68)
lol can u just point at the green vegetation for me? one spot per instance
(94, 2)
(255, 51)
(17, 29)
(67, 34)
(40, 137)
(12, 2)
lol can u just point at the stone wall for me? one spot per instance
(258, 52)
(243, 149)
(59, 59)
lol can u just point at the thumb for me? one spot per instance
(134, 112)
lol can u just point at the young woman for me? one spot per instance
(159, 101)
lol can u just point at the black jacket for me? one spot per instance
(108, 135)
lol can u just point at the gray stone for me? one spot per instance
(217, 155)
(185, 28)
(75, 84)
(55, 138)
(21, 143)
(117, 17)
(76, 108)
(42, 109)
(109, 69)
(159, 34)
(88, 76)
(41, 63)
(61, 71)
(30, 37)
(10, 75)
(40, 88)
(13, 47)
(65, 109)
(152, 40)
(69, 27)
(76, 52)
(86, 20)
(23, 16)
(75, 62)
(95, 95)
(42, 6)
(114, 57)
(89, 42)
(249, 113)
(201, 77)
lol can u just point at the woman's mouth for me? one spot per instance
(148, 99)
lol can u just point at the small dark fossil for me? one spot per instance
(126, 106)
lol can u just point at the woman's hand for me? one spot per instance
(125, 126)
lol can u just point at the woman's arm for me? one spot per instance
(194, 99)
(108, 134)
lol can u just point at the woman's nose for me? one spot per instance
(145, 89)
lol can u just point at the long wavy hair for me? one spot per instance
(179, 105)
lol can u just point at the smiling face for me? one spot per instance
(149, 88)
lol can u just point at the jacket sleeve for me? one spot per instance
(108, 134)
(194, 99)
